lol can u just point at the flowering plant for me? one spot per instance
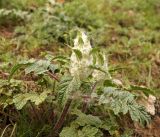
(82, 87)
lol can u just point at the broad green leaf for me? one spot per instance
(73, 86)
(89, 131)
(62, 87)
(67, 87)
(41, 98)
(84, 119)
(20, 100)
(39, 67)
(68, 132)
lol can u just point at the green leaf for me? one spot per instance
(20, 100)
(97, 68)
(49, 57)
(89, 131)
(123, 102)
(53, 68)
(73, 86)
(145, 90)
(61, 59)
(78, 53)
(80, 40)
(14, 69)
(62, 87)
(68, 132)
(94, 51)
(139, 114)
(39, 67)
(19, 65)
(109, 83)
(84, 119)
(67, 87)
(41, 98)
(78, 131)
(110, 124)
(100, 58)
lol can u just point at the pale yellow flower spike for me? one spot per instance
(81, 66)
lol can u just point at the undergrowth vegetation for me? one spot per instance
(56, 23)
(74, 68)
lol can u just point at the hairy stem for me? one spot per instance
(60, 121)
(53, 76)
(85, 104)
(36, 113)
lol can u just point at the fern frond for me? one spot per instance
(124, 102)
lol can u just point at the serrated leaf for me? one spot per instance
(89, 131)
(139, 114)
(73, 85)
(124, 102)
(39, 67)
(20, 100)
(67, 87)
(84, 119)
(41, 98)
(68, 132)
(62, 87)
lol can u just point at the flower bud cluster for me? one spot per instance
(81, 66)
(78, 66)
(100, 75)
